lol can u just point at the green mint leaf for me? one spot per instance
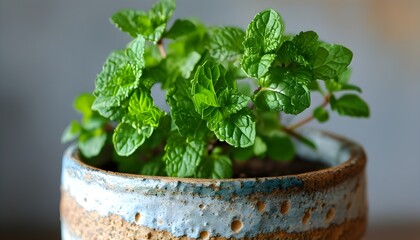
(216, 167)
(350, 105)
(306, 43)
(182, 157)
(162, 11)
(260, 147)
(71, 132)
(344, 77)
(234, 67)
(350, 87)
(184, 54)
(341, 83)
(243, 154)
(118, 87)
(159, 15)
(300, 50)
(150, 25)
(161, 133)
(176, 66)
(142, 111)
(93, 122)
(331, 61)
(135, 51)
(187, 63)
(119, 77)
(180, 28)
(262, 40)
(152, 75)
(152, 57)
(321, 114)
(264, 33)
(284, 90)
(91, 143)
(237, 130)
(116, 113)
(280, 146)
(196, 40)
(289, 53)
(128, 164)
(267, 122)
(215, 97)
(314, 86)
(256, 65)
(245, 88)
(226, 43)
(332, 85)
(127, 139)
(235, 102)
(131, 21)
(210, 81)
(83, 104)
(187, 120)
(91, 119)
(154, 167)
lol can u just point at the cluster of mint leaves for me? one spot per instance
(214, 117)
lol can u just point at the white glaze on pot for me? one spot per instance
(185, 207)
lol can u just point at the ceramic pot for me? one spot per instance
(324, 204)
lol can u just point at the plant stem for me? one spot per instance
(161, 48)
(309, 118)
(109, 128)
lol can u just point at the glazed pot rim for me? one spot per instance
(353, 165)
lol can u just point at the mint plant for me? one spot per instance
(215, 118)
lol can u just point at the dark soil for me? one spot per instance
(245, 169)
(269, 168)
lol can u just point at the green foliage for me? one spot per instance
(226, 43)
(217, 100)
(91, 142)
(141, 110)
(120, 76)
(350, 105)
(215, 166)
(90, 131)
(238, 130)
(185, 118)
(331, 61)
(214, 119)
(127, 139)
(71, 132)
(182, 157)
(280, 146)
(180, 28)
(321, 114)
(259, 149)
(151, 25)
(262, 40)
(283, 90)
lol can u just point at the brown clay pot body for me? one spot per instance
(324, 204)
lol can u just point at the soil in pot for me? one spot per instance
(269, 168)
(249, 169)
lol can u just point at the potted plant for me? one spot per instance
(221, 163)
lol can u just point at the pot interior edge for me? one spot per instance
(332, 150)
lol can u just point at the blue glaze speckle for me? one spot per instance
(188, 207)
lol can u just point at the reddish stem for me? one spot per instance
(161, 48)
(309, 118)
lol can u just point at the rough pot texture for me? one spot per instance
(324, 204)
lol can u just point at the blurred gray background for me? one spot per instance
(51, 50)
